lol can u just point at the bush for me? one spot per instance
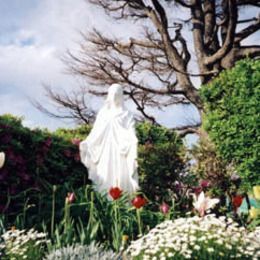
(161, 161)
(35, 160)
(197, 238)
(213, 173)
(232, 117)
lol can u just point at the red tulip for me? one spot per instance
(164, 208)
(139, 202)
(70, 197)
(237, 201)
(115, 192)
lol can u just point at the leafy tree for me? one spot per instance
(168, 51)
(232, 117)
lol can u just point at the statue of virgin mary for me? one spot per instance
(110, 150)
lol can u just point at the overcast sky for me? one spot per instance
(34, 34)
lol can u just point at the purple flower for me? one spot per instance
(77, 157)
(6, 139)
(67, 153)
(204, 184)
(48, 142)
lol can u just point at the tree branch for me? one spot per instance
(247, 31)
(248, 51)
(248, 2)
(68, 106)
(228, 43)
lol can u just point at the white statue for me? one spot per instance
(110, 150)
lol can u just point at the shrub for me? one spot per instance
(232, 117)
(213, 173)
(35, 160)
(161, 161)
(197, 238)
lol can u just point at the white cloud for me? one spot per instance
(30, 56)
(32, 40)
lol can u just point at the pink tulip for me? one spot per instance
(70, 197)
(164, 208)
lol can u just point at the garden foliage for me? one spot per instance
(232, 117)
(35, 160)
(161, 161)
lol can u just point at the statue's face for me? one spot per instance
(115, 94)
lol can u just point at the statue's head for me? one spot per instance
(115, 95)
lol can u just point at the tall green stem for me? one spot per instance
(118, 226)
(139, 221)
(53, 209)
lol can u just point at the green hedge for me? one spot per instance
(35, 160)
(161, 161)
(232, 117)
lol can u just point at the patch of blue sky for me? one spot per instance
(13, 39)
(27, 42)
(13, 13)
(7, 88)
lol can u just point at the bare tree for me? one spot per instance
(71, 106)
(163, 53)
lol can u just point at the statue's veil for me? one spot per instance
(115, 97)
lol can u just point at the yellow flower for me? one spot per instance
(13, 228)
(256, 190)
(125, 238)
(254, 213)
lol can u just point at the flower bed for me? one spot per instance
(197, 238)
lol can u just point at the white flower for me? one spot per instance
(202, 203)
(2, 159)
(197, 247)
(210, 249)
(164, 241)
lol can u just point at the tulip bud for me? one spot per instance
(164, 208)
(2, 159)
(70, 197)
